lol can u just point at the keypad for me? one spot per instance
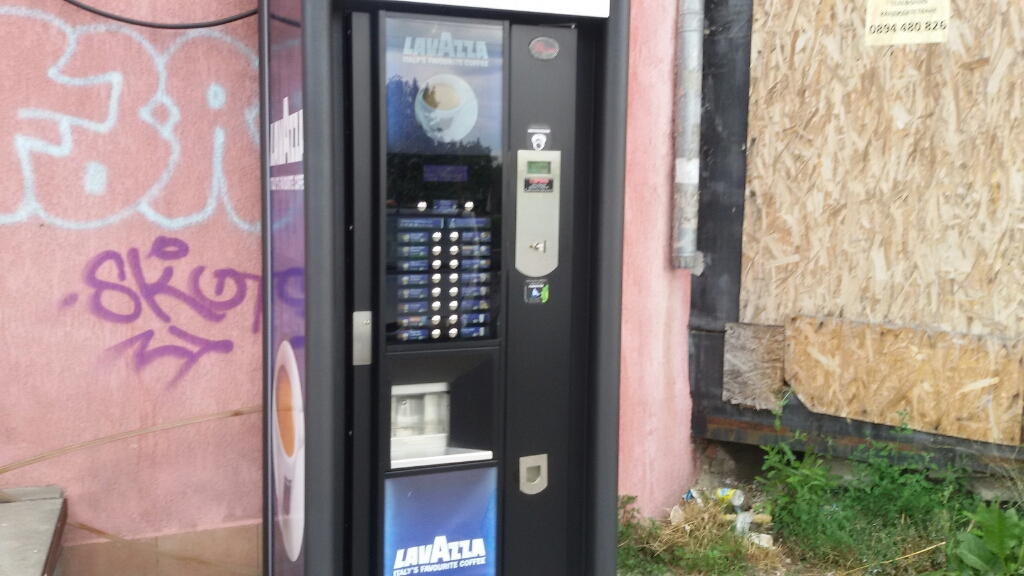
(442, 265)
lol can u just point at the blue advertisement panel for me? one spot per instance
(287, 429)
(444, 89)
(442, 523)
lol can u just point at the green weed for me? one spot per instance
(636, 536)
(896, 503)
(993, 545)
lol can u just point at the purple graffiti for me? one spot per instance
(145, 355)
(240, 282)
(121, 292)
(162, 287)
(101, 287)
(166, 248)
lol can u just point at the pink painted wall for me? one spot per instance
(128, 154)
(656, 459)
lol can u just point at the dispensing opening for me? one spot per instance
(443, 420)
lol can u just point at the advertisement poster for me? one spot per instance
(287, 430)
(441, 524)
(444, 87)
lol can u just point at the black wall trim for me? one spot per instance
(716, 293)
(326, 312)
(610, 139)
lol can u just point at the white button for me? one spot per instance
(453, 292)
(435, 320)
(436, 264)
(453, 332)
(470, 205)
(453, 250)
(453, 319)
(453, 264)
(435, 333)
(436, 291)
(422, 206)
(435, 278)
(453, 305)
(436, 250)
(454, 236)
(435, 306)
(436, 236)
(453, 278)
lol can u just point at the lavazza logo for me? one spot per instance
(445, 50)
(286, 138)
(440, 556)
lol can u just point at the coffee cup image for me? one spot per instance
(289, 448)
(446, 107)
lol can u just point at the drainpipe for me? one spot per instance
(689, 84)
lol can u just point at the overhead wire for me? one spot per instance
(162, 25)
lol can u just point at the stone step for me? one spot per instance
(31, 527)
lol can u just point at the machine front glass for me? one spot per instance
(444, 86)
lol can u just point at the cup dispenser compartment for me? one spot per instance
(441, 407)
(420, 421)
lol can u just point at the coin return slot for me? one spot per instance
(532, 474)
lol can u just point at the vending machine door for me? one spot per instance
(443, 145)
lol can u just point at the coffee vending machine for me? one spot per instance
(442, 252)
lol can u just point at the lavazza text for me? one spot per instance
(440, 556)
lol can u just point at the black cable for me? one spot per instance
(284, 20)
(161, 25)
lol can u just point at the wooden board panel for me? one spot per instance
(886, 184)
(753, 372)
(953, 384)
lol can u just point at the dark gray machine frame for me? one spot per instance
(333, 384)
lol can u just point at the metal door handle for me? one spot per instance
(362, 338)
(533, 474)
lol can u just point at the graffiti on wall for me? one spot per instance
(130, 219)
(119, 290)
(71, 137)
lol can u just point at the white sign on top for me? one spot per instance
(592, 8)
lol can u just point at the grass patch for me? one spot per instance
(896, 503)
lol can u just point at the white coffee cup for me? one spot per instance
(446, 107)
(289, 449)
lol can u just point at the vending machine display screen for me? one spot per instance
(444, 134)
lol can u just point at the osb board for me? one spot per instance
(952, 384)
(886, 184)
(753, 371)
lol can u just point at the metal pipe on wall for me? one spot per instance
(689, 86)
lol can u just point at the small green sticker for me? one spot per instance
(537, 291)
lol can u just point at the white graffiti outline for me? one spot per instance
(26, 146)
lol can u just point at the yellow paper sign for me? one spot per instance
(907, 22)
